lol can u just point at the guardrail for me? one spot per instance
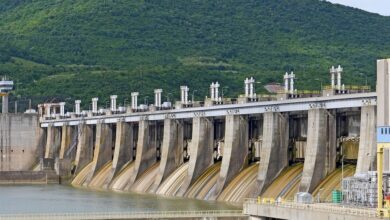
(322, 207)
(125, 215)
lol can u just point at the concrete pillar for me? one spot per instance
(201, 151)
(274, 150)
(383, 101)
(292, 77)
(286, 77)
(77, 107)
(251, 87)
(216, 92)
(47, 110)
(84, 152)
(235, 151)
(146, 151)
(134, 100)
(212, 91)
(182, 88)
(186, 90)
(67, 136)
(5, 104)
(53, 142)
(95, 105)
(157, 97)
(103, 149)
(320, 154)
(246, 82)
(332, 73)
(367, 144)
(339, 70)
(172, 150)
(62, 109)
(123, 152)
(113, 102)
(40, 141)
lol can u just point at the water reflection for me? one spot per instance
(62, 199)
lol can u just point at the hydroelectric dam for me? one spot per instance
(220, 148)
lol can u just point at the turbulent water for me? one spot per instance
(146, 180)
(332, 182)
(242, 186)
(66, 199)
(203, 186)
(101, 177)
(120, 182)
(286, 184)
(171, 186)
(79, 180)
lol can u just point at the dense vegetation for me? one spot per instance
(67, 49)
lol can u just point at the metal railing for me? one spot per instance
(125, 215)
(321, 207)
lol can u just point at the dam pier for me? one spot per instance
(225, 149)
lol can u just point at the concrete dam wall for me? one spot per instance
(21, 141)
(227, 158)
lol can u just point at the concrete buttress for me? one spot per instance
(274, 150)
(123, 152)
(367, 144)
(84, 152)
(66, 139)
(146, 152)
(103, 149)
(320, 151)
(235, 151)
(201, 151)
(53, 142)
(172, 150)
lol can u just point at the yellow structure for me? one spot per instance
(383, 142)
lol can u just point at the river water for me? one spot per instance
(67, 199)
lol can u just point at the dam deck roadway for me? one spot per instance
(299, 104)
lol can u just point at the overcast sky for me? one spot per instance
(377, 6)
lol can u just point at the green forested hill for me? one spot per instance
(69, 49)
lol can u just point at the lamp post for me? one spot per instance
(365, 75)
(193, 95)
(223, 88)
(319, 80)
(125, 102)
(168, 96)
(146, 100)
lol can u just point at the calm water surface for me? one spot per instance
(65, 199)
